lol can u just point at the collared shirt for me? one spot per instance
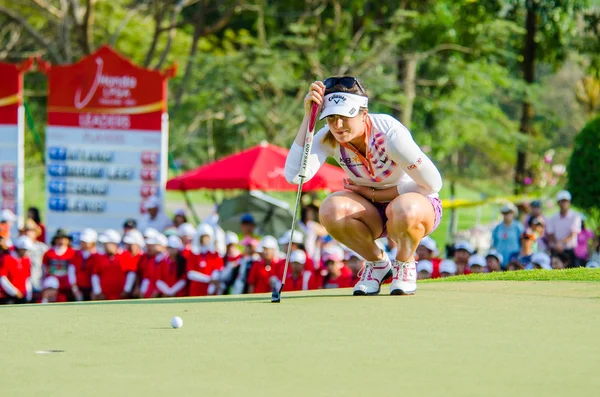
(507, 239)
(562, 226)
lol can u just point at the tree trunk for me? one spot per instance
(188, 68)
(409, 83)
(526, 126)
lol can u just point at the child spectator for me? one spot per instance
(298, 278)
(424, 269)
(56, 261)
(156, 246)
(427, 250)
(338, 275)
(447, 268)
(80, 271)
(263, 276)
(108, 275)
(493, 261)
(477, 264)
(171, 280)
(462, 253)
(205, 265)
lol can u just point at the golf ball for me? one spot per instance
(176, 322)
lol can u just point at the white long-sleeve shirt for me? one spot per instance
(393, 159)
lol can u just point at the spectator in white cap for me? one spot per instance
(447, 268)
(154, 216)
(131, 258)
(424, 269)
(506, 236)
(179, 218)
(563, 228)
(172, 279)
(150, 232)
(186, 232)
(156, 246)
(7, 219)
(80, 271)
(338, 275)
(427, 250)
(108, 274)
(540, 260)
(204, 269)
(462, 253)
(33, 231)
(231, 262)
(299, 279)
(260, 276)
(477, 264)
(493, 261)
(15, 273)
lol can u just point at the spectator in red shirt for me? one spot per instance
(131, 259)
(156, 246)
(56, 263)
(7, 218)
(263, 276)
(355, 263)
(15, 273)
(80, 271)
(186, 232)
(338, 275)
(204, 267)
(427, 250)
(108, 275)
(171, 280)
(298, 278)
(231, 262)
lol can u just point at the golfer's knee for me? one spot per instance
(402, 215)
(332, 211)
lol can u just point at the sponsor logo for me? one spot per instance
(352, 111)
(337, 98)
(415, 164)
(115, 89)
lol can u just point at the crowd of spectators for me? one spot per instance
(159, 256)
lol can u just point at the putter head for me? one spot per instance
(276, 295)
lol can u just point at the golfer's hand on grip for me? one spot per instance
(315, 94)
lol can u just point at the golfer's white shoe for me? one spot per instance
(372, 276)
(404, 280)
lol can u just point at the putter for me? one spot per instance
(276, 295)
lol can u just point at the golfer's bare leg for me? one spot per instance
(353, 221)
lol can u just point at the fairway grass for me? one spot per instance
(493, 338)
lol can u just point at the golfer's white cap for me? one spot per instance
(158, 239)
(541, 259)
(448, 266)
(24, 243)
(298, 238)
(425, 266)
(343, 104)
(110, 236)
(134, 237)
(88, 236)
(298, 256)
(231, 238)
(477, 260)
(563, 195)
(174, 242)
(429, 243)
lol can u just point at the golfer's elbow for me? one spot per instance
(292, 176)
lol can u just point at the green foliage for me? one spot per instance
(583, 182)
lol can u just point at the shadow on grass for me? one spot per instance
(161, 301)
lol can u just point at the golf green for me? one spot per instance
(480, 338)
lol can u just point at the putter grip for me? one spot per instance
(308, 141)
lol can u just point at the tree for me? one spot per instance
(583, 181)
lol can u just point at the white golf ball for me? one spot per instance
(176, 322)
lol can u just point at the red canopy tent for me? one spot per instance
(258, 168)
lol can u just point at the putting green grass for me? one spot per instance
(493, 338)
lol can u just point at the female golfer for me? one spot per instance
(391, 188)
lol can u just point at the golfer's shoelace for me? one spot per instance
(401, 271)
(366, 272)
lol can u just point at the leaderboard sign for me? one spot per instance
(12, 137)
(106, 141)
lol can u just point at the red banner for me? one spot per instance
(106, 91)
(11, 90)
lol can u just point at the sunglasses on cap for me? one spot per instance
(346, 81)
